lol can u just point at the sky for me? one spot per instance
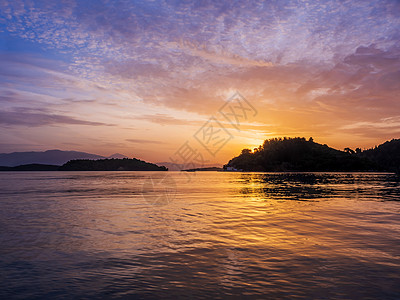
(146, 78)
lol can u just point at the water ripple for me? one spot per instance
(94, 235)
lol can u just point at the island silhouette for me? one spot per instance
(109, 164)
(301, 155)
(274, 155)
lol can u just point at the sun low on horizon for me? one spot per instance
(150, 79)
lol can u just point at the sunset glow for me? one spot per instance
(141, 77)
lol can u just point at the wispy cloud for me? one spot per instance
(24, 118)
(163, 119)
(142, 141)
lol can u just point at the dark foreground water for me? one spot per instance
(211, 235)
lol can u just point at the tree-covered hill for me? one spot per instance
(124, 164)
(386, 156)
(298, 154)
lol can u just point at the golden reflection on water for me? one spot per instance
(253, 231)
(233, 210)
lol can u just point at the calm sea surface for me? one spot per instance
(199, 235)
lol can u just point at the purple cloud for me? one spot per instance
(25, 118)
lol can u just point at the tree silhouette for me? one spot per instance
(298, 154)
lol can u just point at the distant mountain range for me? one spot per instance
(49, 157)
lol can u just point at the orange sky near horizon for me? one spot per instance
(142, 78)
